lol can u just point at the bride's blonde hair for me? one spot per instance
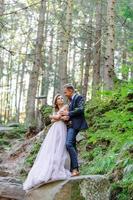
(55, 106)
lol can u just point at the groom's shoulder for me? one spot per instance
(78, 96)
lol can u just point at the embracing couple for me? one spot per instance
(57, 157)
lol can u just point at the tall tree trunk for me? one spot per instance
(109, 73)
(64, 44)
(131, 69)
(1, 7)
(73, 67)
(8, 97)
(11, 85)
(43, 87)
(1, 100)
(82, 62)
(97, 54)
(125, 67)
(87, 59)
(8, 94)
(48, 69)
(1, 13)
(33, 82)
(17, 88)
(21, 79)
(56, 69)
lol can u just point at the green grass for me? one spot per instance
(30, 159)
(109, 140)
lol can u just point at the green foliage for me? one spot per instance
(4, 144)
(30, 159)
(17, 132)
(7, 136)
(100, 165)
(131, 47)
(126, 10)
(46, 111)
(109, 146)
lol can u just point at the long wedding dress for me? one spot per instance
(52, 161)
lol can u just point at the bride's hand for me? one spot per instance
(50, 116)
(65, 118)
(64, 113)
(55, 117)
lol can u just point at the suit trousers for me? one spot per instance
(71, 147)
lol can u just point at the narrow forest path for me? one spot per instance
(12, 164)
(12, 160)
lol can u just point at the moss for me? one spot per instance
(4, 144)
(46, 111)
(108, 148)
(17, 132)
(76, 194)
(31, 158)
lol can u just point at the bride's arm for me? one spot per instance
(65, 118)
(55, 117)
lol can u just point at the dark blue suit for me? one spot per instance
(76, 115)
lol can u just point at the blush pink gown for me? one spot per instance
(53, 161)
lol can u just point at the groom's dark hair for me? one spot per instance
(69, 86)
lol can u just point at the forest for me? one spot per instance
(88, 43)
(45, 44)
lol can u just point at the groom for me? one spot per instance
(75, 115)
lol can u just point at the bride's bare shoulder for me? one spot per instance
(66, 106)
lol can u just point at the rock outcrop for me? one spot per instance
(15, 157)
(11, 189)
(95, 187)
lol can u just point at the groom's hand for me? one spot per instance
(64, 113)
(65, 118)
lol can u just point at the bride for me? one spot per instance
(53, 161)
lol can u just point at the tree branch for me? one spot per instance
(11, 52)
(16, 11)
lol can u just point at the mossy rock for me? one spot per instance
(4, 142)
(46, 111)
(76, 188)
(31, 157)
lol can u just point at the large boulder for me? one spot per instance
(95, 187)
(4, 130)
(13, 124)
(11, 188)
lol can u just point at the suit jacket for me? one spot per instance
(76, 113)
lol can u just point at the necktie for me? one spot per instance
(70, 99)
(70, 102)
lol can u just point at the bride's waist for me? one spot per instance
(59, 121)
